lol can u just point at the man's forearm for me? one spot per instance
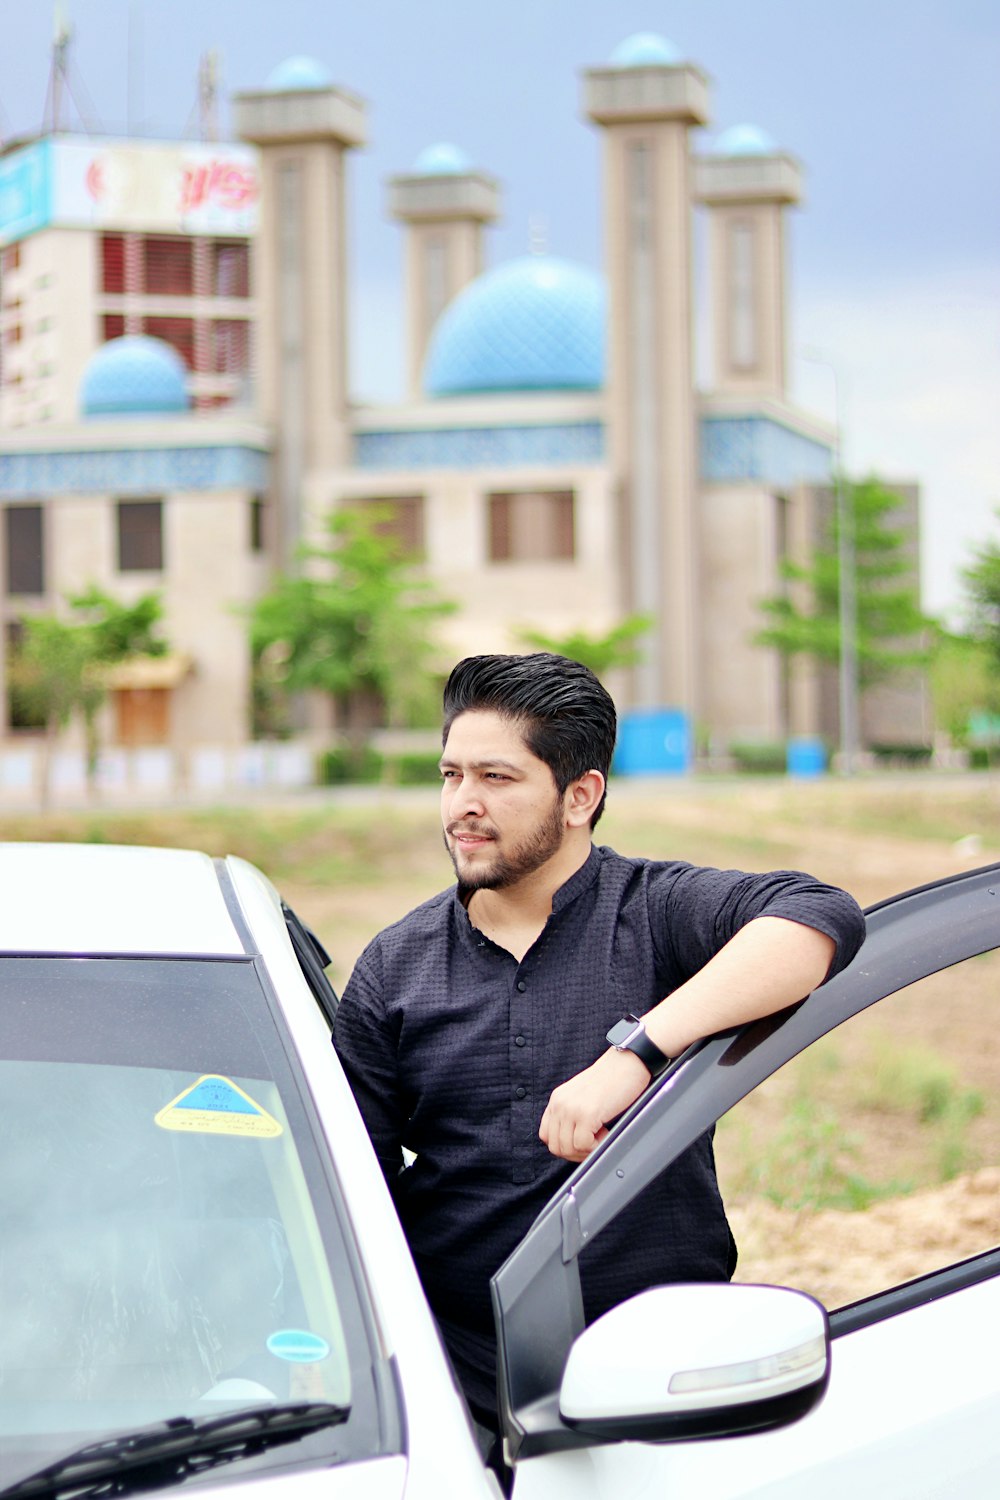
(769, 964)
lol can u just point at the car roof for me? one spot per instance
(106, 898)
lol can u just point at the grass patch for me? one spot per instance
(914, 1080)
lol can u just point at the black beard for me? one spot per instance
(523, 859)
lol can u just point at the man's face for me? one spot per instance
(501, 813)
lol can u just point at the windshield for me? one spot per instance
(168, 1238)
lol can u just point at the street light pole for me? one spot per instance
(847, 591)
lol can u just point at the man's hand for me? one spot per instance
(576, 1116)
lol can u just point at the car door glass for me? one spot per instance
(874, 1157)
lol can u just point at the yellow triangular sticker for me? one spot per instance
(216, 1106)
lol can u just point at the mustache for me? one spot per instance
(477, 830)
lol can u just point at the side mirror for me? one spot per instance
(703, 1360)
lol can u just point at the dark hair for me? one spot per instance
(566, 717)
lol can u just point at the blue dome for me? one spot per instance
(298, 73)
(134, 376)
(743, 140)
(442, 160)
(535, 324)
(645, 49)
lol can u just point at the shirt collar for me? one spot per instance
(580, 881)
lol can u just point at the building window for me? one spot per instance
(435, 278)
(230, 268)
(400, 517)
(142, 716)
(113, 264)
(258, 508)
(23, 535)
(112, 326)
(178, 332)
(743, 322)
(230, 346)
(532, 526)
(140, 536)
(10, 259)
(168, 266)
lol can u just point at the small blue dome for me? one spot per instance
(535, 324)
(134, 376)
(298, 73)
(743, 140)
(442, 160)
(645, 49)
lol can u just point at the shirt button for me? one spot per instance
(520, 1093)
(521, 986)
(519, 1041)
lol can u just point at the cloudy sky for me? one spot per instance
(893, 109)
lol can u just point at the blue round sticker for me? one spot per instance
(297, 1346)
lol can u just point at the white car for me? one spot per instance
(204, 1286)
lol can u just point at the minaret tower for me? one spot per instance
(444, 204)
(747, 186)
(647, 101)
(304, 127)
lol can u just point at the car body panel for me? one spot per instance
(910, 1410)
(375, 1479)
(82, 898)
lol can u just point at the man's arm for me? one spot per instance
(362, 1039)
(767, 965)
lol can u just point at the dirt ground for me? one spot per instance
(840, 1256)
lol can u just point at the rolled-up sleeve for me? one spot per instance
(696, 912)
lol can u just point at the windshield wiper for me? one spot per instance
(176, 1449)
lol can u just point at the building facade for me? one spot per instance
(554, 465)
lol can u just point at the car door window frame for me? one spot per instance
(537, 1299)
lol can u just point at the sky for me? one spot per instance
(893, 109)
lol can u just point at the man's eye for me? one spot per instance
(496, 776)
(449, 775)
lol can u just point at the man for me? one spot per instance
(475, 1031)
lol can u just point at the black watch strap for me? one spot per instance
(629, 1035)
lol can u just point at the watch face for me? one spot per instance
(621, 1031)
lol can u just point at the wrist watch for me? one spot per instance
(629, 1035)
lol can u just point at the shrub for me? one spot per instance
(346, 763)
(759, 757)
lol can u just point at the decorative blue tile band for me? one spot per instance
(732, 449)
(480, 447)
(761, 449)
(132, 471)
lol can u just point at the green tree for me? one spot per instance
(963, 682)
(982, 584)
(357, 624)
(601, 653)
(60, 667)
(890, 626)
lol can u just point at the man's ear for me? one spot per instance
(582, 797)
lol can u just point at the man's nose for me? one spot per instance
(466, 797)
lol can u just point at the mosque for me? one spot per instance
(175, 409)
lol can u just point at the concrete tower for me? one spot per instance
(445, 205)
(647, 100)
(303, 126)
(747, 185)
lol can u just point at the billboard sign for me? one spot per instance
(198, 187)
(25, 199)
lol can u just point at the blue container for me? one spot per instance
(653, 742)
(805, 757)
